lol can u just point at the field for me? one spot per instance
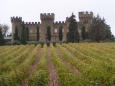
(83, 64)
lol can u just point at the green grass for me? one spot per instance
(95, 62)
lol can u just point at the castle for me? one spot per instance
(48, 23)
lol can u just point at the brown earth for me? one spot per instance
(53, 76)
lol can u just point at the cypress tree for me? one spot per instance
(48, 33)
(1, 37)
(23, 35)
(99, 30)
(60, 33)
(73, 34)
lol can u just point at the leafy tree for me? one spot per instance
(108, 33)
(73, 34)
(60, 33)
(99, 30)
(113, 38)
(4, 29)
(1, 37)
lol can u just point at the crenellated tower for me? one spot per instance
(16, 25)
(47, 17)
(47, 21)
(85, 19)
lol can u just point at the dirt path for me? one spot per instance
(33, 67)
(53, 76)
(72, 68)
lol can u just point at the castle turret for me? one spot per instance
(85, 21)
(85, 17)
(16, 19)
(47, 17)
(47, 21)
(16, 26)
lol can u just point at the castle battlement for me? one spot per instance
(31, 23)
(16, 19)
(47, 16)
(86, 14)
(59, 22)
(38, 31)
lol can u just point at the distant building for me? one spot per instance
(47, 20)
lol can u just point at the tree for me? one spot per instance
(48, 34)
(108, 33)
(23, 35)
(99, 30)
(73, 34)
(1, 37)
(4, 29)
(60, 33)
(113, 38)
(77, 37)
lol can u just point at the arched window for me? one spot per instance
(55, 30)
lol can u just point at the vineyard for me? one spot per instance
(83, 64)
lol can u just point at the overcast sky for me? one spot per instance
(30, 9)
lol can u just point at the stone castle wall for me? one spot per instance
(48, 20)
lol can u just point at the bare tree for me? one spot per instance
(4, 28)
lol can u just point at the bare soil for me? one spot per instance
(53, 76)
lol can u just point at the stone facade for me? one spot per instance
(48, 20)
